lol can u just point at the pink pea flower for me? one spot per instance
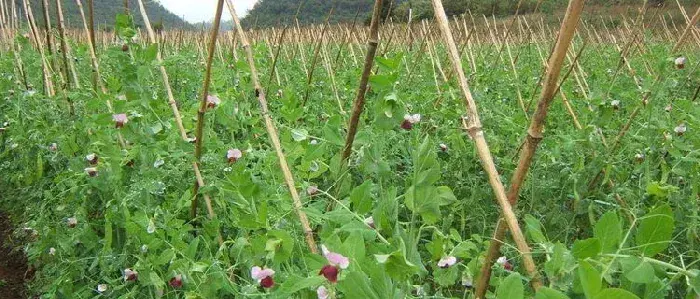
(369, 221)
(322, 293)
(72, 222)
(213, 101)
(130, 275)
(615, 104)
(336, 262)
(263, 276)
(91, 171)
(92, 158)
(503, 261)
(409, 120)
(233, 155)
(443, 147)
(312, 190)
(680, 129)
(120, 120)
(176, 281)
(447, 262)
(101, 288)
(679, 62)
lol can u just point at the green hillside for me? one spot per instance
(268, 13)
(105, 10)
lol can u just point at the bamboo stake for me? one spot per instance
(315, 58)
(199, 135)
(47, 25)
(65, 48)
(534, 133)
(687, 30)
(272, 132)
(93, 56)
(176, 112)
(472, 124)
(276, 56)
(48, 84)
(358, 104)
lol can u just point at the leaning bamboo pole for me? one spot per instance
(314, 59)
(93, 56)
(176, 111)
(48, 83)
(473, 127)
(534, 133)
(359, 103)
(199, 133)
(272, 132)
(65, 48)
(688, 28)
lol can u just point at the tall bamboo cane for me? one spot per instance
(473, 127)
(359, 103)
(65, 48)
(48, 83)
(176, 111)
(272, 132)
(199, 133)
(687, 30)
(534, 133)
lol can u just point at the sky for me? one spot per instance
(196, 11)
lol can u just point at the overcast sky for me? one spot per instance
(196, 11)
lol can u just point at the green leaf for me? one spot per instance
(655, 231)
(616, 294)
(279, 245)
(511, 287)
(660, 191)
(446, 277)
(300, 134)
(637, 270)
(295, 283)
(361, 198)
(695, 282)
(609, 231)
(357, 285)
(586, 248)
(396, 265)
(534, 229)
(547, 293)
(590, 278)
(150, 52)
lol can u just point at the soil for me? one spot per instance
(13, 264)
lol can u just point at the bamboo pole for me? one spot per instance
(687, 30)
(359, 102)
(93, 56)
(65, 48)
(199, 135)
(47, 25)
(472, 124)
(315, 58)
(534, 133)
(48, 83)
(272, 132)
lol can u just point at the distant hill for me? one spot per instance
(267, 13)
(105, 11)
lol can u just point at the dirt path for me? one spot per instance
(13, 264)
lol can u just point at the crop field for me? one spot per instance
(465, 157)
